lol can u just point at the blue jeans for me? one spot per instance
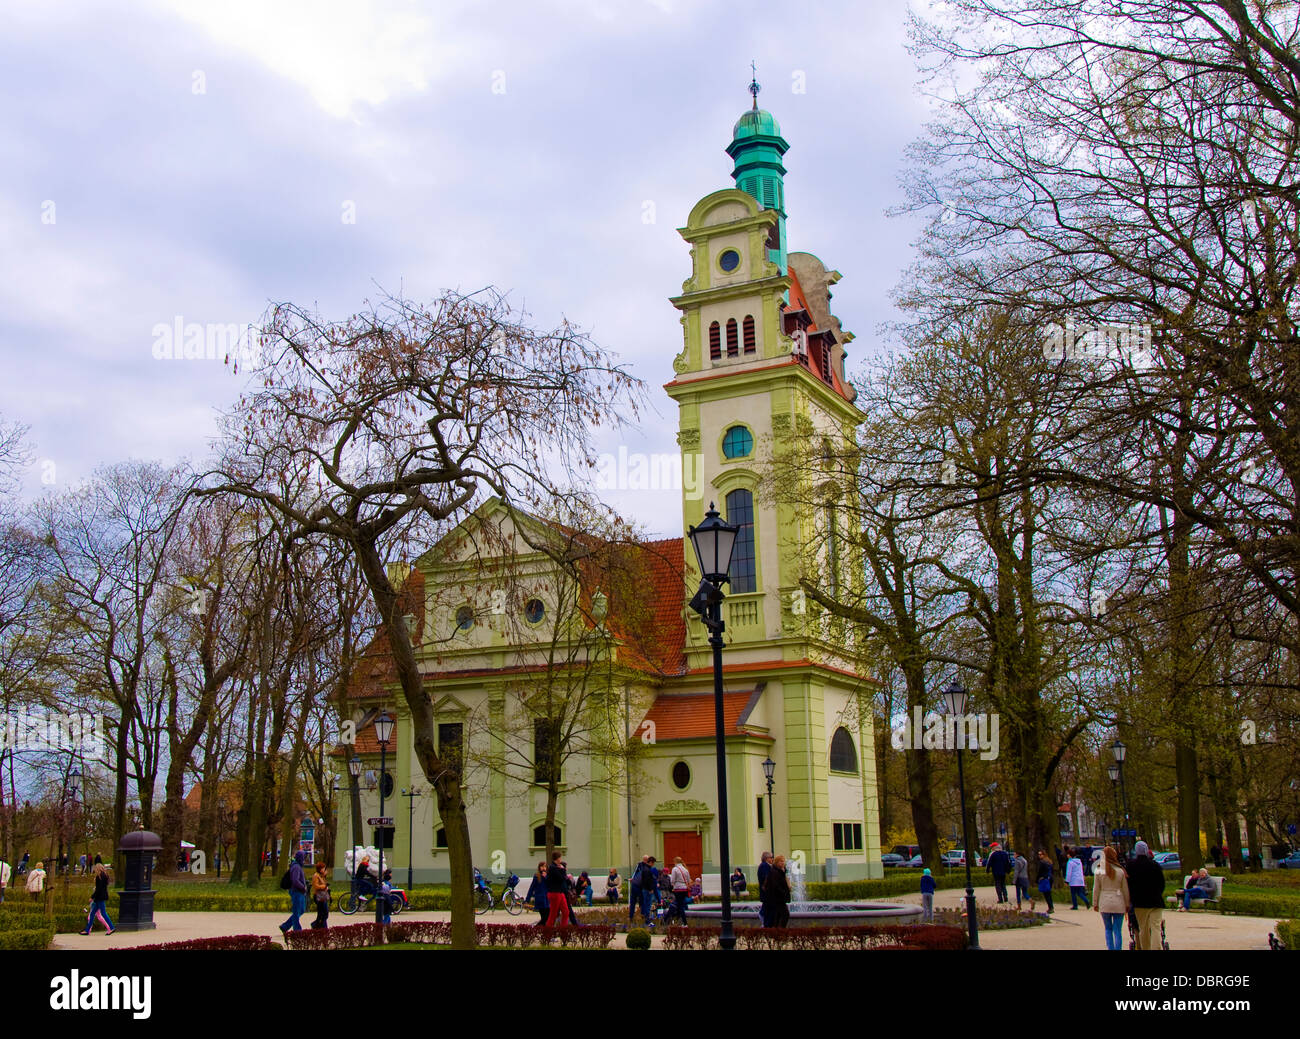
(1193, 892)
(98, 910)
(1022, 890)
(1113, 922)
(643, 898)
(1077, 893)
(297, 906)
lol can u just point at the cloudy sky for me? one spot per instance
(182, 158)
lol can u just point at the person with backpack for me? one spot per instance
(641, 890)
(295, 882)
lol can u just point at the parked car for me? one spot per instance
(1292, 861)
(907, 851)
(914, 862)
(889, 859)
(957, 857)
(1168, 860)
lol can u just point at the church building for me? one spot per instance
(761, 370)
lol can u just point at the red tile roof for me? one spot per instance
(690, 716)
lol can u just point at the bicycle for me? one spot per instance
(484, 900)
(351, 901)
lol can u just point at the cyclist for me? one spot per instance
(365, 878)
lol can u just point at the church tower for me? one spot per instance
(762, 365)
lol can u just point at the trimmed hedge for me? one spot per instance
(26, 940)
(822, 938)
(64, 922)
(1251, 903)
(238, 942)
(1289, 932)
(433, 932)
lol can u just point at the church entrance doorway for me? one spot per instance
(689, 845)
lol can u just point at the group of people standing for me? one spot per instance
(554, 891)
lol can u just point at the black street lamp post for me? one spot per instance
(383, 733)
(954, 697)
(354, 771)
(713, 541)
(410, 796)
(769, 770)
(1119, 750)
(1113, 772)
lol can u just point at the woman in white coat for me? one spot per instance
(1110, 897)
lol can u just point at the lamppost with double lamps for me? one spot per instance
(1119, 750)
(954, 698)
(1113, 772)
(713, 541)
(769, 770)
(383, 733)
(410, 796)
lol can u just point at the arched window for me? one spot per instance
(737, 442)
(740, 512)
(733, 340)
(539, 836)
(715, 340)
(748, 330)
(844, 753)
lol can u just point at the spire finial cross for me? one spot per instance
(753, 83)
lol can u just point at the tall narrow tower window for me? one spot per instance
(748, 330)
(733, 340)
(715, 340)
(740, 512)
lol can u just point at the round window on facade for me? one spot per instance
(737, 442)
(534, 611)
(681, 775)
(465, 618)
(729, 260)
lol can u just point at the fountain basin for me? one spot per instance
(812, 914)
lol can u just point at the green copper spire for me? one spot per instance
(757, 148)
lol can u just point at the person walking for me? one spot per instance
(81, 865)
(776, 895)
(22, 864)
(99, 902)
(5, 873)
(1044, 880)
(537, 895)
(642, 882)
(557, 889)
(1110, 897)
(1022, 880)
(1146, 887)
(681, 878)
(999, 864)
(764, 868)
(1074, 880)
(320, 894)
(613, 883)
(927, 896)
(297, 894)
(36, 882)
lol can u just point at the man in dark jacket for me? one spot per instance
(297, 894)
(1146, 887)
(764, 868)
(640, 888)
(999, 864)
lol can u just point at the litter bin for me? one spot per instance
(135, 900)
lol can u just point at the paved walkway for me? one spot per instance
(1078, 929)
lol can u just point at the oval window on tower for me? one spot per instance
(681, 775)
(729, 260)
(737, 442)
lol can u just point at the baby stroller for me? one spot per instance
(1133, 932)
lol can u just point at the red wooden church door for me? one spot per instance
(689, 845)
